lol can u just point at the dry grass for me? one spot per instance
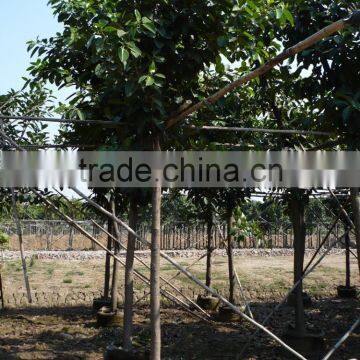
(258, 274)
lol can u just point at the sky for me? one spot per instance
(20, 21)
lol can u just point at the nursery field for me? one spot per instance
(65, 327)
(261, 277)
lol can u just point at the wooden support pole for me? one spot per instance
(302, 45)
(192, 277)
(155, 265)
(108, 261)
(347, 257)
(167, 282)
(142, 277)
(281, 303)
(129, 277)
(342, 340)
(115, 277)
(355, 200)
(21, 245)
(1, 293)
(230, 225)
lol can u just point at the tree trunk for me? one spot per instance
(115, 278)
(155, 267)
(355, 200)
(21, 245)
(347, 257)
(129, 278)
(230, 224)
(209, 251)
(108, 261)
(297, 214)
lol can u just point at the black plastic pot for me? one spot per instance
(347, 292)
(107, 318)
(306, 300)
(210, 303)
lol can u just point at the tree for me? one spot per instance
(137, 63)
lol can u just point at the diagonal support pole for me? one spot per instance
(192, 277)
(341, 340)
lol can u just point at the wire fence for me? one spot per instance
(58, 235)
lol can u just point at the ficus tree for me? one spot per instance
(138, 63)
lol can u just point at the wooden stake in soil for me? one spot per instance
(21, 245)
(1, 293)
(230, 225)
(184, 271)
(155, 265)
(209, 249)
(107, 261)
(355, 200)
(115, 279)
(129, 277)
(297, 214)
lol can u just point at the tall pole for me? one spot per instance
(355, 201)
(155, 265)
(108, 261)
(129, 277)
(21, 245)
(115, 279)
(347, 257)
(230, 225)
(297, 213)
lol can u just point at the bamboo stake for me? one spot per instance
(277, 307)
(155, 264)
(302, 45)
(167, 282)
(247, 304)
(115, 277)
(192, 277)
(342, 209)
(175, 276)
(60, 120)
(129, 277)
(341, 340)
(259, 130)
(355, 200)
(21, 246)
(142, 277)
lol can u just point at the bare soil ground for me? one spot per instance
(70, 332)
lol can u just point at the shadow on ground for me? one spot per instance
(71, 332)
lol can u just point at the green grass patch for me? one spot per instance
(74, 273)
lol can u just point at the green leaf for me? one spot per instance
(80, 114)
(162, 76)
(135, 51)
(99, 70)
(279, 13)
(288, 16)
(123, 55)
(137, 15)
(149, 25)
(149, 81)
(121, 33)
(152, 67)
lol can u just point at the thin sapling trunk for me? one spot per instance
(129, 277)
(230, 243)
